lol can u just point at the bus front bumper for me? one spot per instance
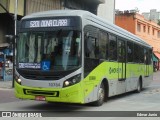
(72, 94)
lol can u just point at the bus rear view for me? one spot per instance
(49, 59)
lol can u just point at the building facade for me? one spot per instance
(138, 25)
(102, 8)
(153, 15)
(32, 6)
(7, 19)
(148, 30)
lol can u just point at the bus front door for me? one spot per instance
(121, 66)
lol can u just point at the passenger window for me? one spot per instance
(91, 47)
(129, 51)
(136, 53)
(141, 54)
(112, 48)
(103, 45)
(121, 51)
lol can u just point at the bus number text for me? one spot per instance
(54, 84)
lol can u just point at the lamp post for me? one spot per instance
(15, 39)
(15, 17)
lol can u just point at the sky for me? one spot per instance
(142, 5)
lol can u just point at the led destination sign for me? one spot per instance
(49, 23)
(74, 22)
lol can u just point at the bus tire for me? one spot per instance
(101, 95)
(139, 86)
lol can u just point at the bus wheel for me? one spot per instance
(101, 95)
(139, 86)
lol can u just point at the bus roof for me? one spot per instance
(93, 19)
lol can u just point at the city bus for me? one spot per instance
(73, 56)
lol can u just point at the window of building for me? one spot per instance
(144, 28)
(158, 34)
(153, 31)
(148, 29)
(139, 27)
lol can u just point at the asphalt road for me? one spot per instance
(7, 95)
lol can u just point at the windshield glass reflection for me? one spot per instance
(56, 50)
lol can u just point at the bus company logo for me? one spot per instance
(21, 114)
(114, 70)
(6, 114)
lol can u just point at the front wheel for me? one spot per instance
(101, 96)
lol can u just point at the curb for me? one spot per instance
(5, 85)
(6, 88)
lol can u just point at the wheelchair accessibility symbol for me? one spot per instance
(45, 65)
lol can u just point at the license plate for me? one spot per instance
(40, 98)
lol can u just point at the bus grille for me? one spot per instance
(41, 93)
(41, 77)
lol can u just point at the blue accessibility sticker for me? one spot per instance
(45, 65)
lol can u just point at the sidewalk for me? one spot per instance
(5, 84)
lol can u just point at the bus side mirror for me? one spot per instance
(10, 38)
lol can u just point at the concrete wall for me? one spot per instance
(41, 5)
(11, 7)
(107, 10)
(126, 22)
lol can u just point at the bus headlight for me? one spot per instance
(18, 80)
(73, 80)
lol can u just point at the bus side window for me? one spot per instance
(129, 52)
(103, 45)
(148, 56)
(91, 47)
(121, 50)
(136, 53)
(141, 54)
(112, 48)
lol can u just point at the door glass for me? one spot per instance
(122, 59)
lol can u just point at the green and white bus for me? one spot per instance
(73, 56)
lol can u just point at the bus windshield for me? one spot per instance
(57, 50)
